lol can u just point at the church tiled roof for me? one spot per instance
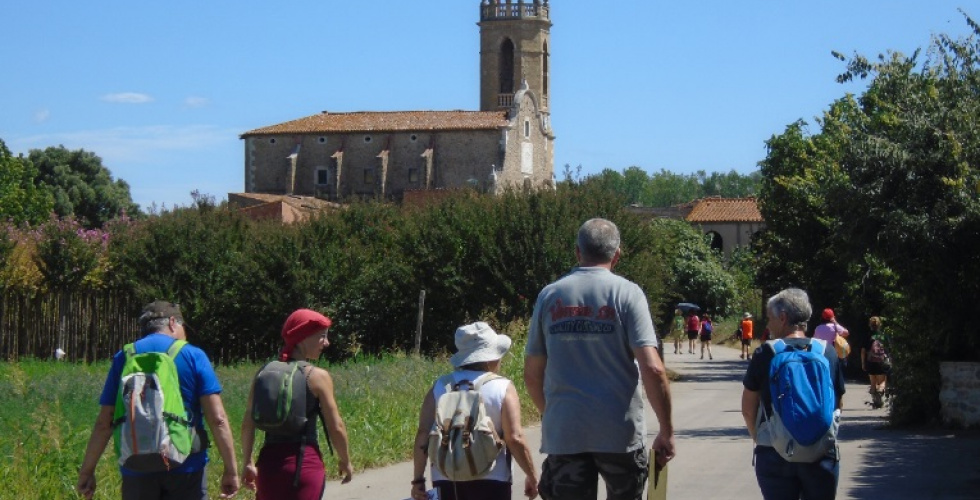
(387, 121)
(725, 210)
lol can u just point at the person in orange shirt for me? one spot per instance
(746, 327)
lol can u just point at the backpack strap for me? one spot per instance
(450, 383)
(822, 344)
(316, 408)
(310, 423)
(175, 348)
(300, 452)
(777, 346)
(483, 379)
(446, 381)
(780, 345)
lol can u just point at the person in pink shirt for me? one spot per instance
(830, 328)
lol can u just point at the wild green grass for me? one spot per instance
(47, 410)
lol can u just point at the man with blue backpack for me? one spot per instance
(791, 405)
(158, 395)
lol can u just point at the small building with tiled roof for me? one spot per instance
(731, 222)
(507, 143)
(281, 208)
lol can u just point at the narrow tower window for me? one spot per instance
(544, 70)
(507, 67)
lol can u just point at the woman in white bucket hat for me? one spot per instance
(479, 351)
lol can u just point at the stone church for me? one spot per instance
(337, 156)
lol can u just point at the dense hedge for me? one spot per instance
(475, 256)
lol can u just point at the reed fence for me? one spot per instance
(87, 326)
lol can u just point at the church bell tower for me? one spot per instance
(514, 44)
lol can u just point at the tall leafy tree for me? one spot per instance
(82, 187)
(698, 273)
(880, 210)
(21, 201)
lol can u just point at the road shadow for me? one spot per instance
(710, 371)
(739, 433)
(914, 465)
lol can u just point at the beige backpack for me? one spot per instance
(463, 443)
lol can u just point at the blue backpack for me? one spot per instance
(804, 422)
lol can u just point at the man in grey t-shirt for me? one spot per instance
(591, 340)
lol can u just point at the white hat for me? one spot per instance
(476, 343)
(747, 315)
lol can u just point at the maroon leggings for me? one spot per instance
(277, 469)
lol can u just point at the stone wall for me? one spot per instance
(459, 156)
(960, 394)
(528, 152)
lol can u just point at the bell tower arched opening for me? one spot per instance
(507, 67)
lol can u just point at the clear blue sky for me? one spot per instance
(162, 90)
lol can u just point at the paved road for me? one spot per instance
(714, 453)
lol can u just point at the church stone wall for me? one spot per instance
(458, 157)
(461, 156)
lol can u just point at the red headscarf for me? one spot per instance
(301, 324)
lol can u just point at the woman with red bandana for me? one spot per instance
(305, 336)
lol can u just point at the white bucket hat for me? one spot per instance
(476, 343)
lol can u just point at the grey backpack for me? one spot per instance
(279, 398)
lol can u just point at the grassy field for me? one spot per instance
(47, 410)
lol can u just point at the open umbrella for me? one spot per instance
(687, 306)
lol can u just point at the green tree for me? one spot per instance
(698, 273)
(664, 188)
(82, 187)
(21, 201)
(880, 210)
(667, 189)
(635, 185)
(732, 184)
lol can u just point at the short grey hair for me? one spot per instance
(794, 303)
(598, 240)
(155, 325)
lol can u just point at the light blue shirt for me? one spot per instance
(587, 324)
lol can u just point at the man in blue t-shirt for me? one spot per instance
(591, 342)
(163, 324)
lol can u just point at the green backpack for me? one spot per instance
(152, 430)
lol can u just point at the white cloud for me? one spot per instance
(134, 144)
(196, 102)
(128, 98)
(42, 115)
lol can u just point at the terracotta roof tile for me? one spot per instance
(725, 210)
(387, 121)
